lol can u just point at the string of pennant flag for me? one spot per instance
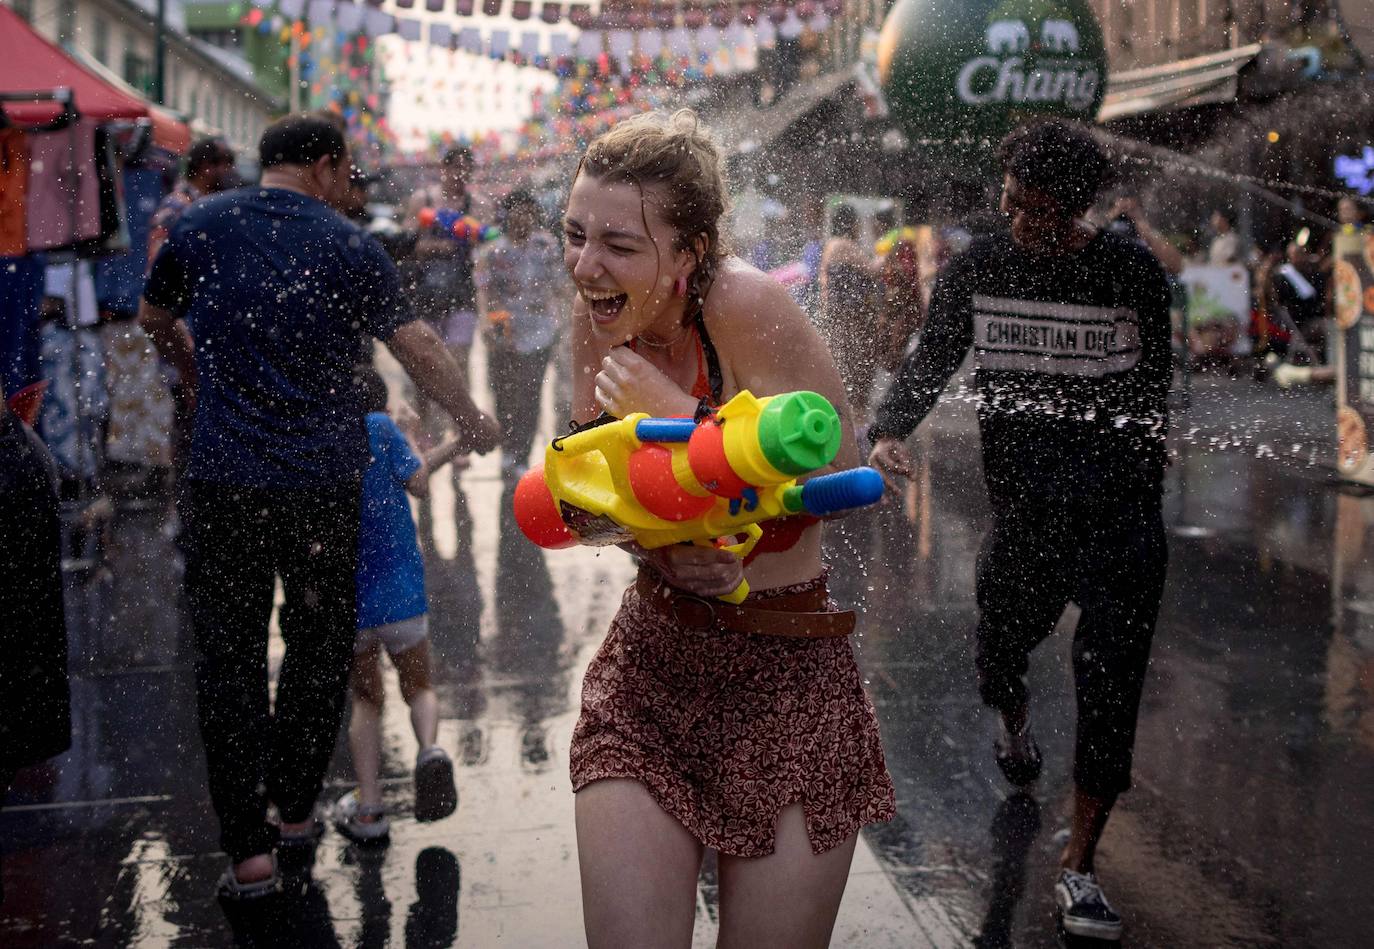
(689, 13)
(690, 30)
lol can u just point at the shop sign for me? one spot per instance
(979, 67)
(1006, 78)
(1218, 301)
(1354, 310)
(1357, 171)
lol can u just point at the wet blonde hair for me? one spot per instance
(677, 155)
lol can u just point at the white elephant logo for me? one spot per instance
(1008, 36)
(1060, 36)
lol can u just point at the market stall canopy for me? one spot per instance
(748, 128)
(169, 131)
(30, 63)
(1204, 80)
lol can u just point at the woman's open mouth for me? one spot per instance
(605, 304)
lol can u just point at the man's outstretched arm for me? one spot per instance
(926, 371)
(171, 337)
(436, 373)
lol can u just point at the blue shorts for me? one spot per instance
(398, 637)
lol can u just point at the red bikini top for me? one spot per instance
(783, 533)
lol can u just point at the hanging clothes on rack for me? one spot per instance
(141, 404)
(114, 218)
(63, 187)
(139, 433)
(14, 189)
(119, 278)
(21, 298)
(72, 359)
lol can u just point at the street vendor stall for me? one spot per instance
(61, 187)
(1354, 355)
(67, 139)
(29, 62)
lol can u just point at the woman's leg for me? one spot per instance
(787, 900)
(413, 669)
(639, 869)
(365, 725)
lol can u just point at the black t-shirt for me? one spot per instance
(278, 291)
(1073, 365)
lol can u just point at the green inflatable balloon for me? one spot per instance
(973, 69)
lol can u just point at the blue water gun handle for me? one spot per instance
(665, 429)
(828, 494)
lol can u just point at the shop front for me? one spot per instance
(83, 163)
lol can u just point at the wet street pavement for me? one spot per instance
(1250, 824)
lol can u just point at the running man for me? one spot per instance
(1070, 332)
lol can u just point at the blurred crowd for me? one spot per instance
(1289, 283)
(865, 277)
(115, 416)
(474, 263)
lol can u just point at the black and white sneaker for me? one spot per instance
(1084, 910)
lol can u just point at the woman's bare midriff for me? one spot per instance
(800, 563)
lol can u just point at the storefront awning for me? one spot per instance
(1204, 80)
(748, 128)
(30, 63)
(169, 131)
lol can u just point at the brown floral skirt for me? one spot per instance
(727, 729)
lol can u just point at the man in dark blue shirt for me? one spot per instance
(277, 291)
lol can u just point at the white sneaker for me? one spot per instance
(1083, 907)
(1286, 375)
(348, 820)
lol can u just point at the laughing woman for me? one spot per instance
(722, 729)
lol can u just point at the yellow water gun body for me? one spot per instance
(661, 481)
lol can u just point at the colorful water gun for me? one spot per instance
(661, 481)
(461, 227)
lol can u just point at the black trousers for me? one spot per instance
(517, 379)
(239, 540)
(1108, 555)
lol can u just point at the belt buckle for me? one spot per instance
(697, 603)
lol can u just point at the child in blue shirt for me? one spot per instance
(392, 613)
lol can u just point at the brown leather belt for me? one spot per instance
(798, 615)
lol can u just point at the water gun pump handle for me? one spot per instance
(841, 491)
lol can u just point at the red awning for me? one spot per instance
(169, 132)
(30, 63)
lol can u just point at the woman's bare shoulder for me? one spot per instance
(766, 341)
(745, 302)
